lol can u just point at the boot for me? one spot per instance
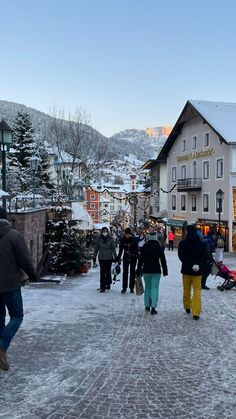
(153, 311)
(3, 360)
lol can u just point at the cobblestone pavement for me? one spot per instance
(82, 354)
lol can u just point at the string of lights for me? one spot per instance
(129, 194)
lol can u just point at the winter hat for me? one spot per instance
(3, 213)
(152, 236)
(128, 230)
(104, 229)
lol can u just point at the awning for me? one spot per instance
(176, 223)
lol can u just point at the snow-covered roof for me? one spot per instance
(80, 214)
(220, 115)
(99, 226)
(3, 193)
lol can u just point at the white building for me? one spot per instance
(201, 159)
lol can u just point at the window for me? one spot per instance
(183, 172)
(92, 206)
(173, 202)
(205, 203)
(194, 142)
(219, 168)
(92, 197)
(206, 141)
(183, 145)
(194, 169)
(194, 202)
(92, 215)
(183, 202)
(112, 208)
(206, 170)
(173, 174)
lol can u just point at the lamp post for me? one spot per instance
(5, 143)
(219, 200)
(133, 200)
(34, 165)
(69, 177)
(57, 167)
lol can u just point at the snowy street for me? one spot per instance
(82, 354)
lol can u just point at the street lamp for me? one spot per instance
(57, 167)
(34, 165)
(5, 143)
(69, 177)
(219, 200)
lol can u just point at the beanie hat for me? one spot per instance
(104, 229)
(152, 236)
(128, 230)
(3, 213)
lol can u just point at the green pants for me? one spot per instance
(192, 293)
(151, 289)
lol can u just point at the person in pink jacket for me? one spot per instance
(171, 238)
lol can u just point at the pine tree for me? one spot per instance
(68, 250)
(23, 148)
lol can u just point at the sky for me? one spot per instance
(127, 63)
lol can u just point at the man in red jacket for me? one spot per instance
(14, 257)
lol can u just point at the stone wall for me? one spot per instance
(32, 226)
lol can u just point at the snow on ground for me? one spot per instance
(82, 354)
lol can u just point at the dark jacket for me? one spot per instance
(14, 256)
(129, 247)
(192, 251)
(150, 257)
(105, 248)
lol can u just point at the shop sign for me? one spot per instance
(196, 154)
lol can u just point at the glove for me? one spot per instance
(195, 268)
(165, 274)
(94, 263)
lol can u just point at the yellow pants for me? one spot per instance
(192, 301)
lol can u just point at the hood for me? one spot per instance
(5, 226)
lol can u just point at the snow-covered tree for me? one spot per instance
(23, 147)
(68, 250)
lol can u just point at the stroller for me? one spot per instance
(229, 276)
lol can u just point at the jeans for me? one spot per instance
(12, 300)
(129, 266)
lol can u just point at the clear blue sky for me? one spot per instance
(128, 63)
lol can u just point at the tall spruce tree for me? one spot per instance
(23, 148)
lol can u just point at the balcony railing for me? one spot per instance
(189, 184)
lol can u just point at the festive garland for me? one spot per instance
(129, 194)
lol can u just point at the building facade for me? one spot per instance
(201, 160)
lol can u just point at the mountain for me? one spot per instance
(143, 144)
(149, 140)
(41, 123)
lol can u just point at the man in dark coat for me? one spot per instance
(14, 257)
(128, 246)
(192, 252)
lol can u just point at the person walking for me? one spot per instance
(14, 257)
(192, 252)
(128, 246)
(105, 249)
(171, 237)
(151, 259)
(141, 238)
